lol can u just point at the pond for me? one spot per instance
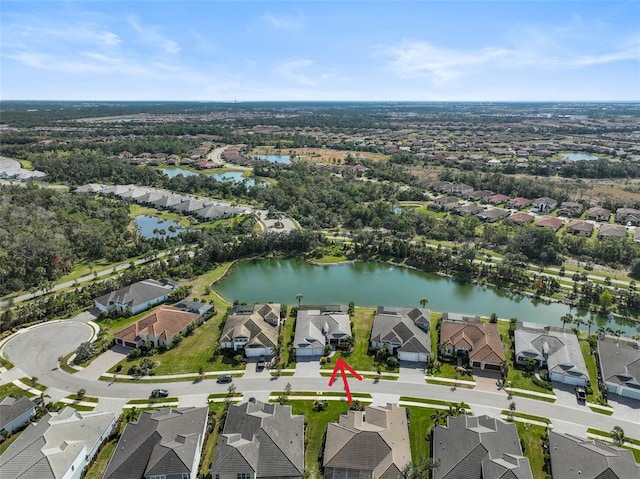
(146, 225)
(236, 176)
(373, 284)
(286, 159)
(579, 157)
(173, 172)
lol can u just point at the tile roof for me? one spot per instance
(160, 442)
(263, 438)
(577, 458)
(478, 447)
(482, 339)
(165, 322)
(46, 449)
(372, 442)
(259, 323)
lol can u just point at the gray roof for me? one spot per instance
(261, 438)
(46, 450)
(161, 442)
(574, 457)
(259, 323)
(136, 293)
(314, 327)
(193, 306)
(559, 348)
(216, 210)
(620, 362)
(478, 447)
(12, 408)
(404, 326)
(373, 442)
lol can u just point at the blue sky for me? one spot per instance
(320, 50)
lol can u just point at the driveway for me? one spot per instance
(411, 372)
(307, 368)
(486, 380)
(251, 371)
(103, 363)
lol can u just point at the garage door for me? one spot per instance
(308, 352)
(414, 357)
(255, 352)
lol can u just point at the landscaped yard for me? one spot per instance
(531, 437)
(10, 389)
(316, 423)
(287, 330)
(359, 359)
(420, 424)
(590, 361)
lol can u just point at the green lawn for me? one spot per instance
(420, 425)
(209, 447)
(531, 437)
(590, 361)
(7, 442)
(99, 465)
(10, 389)
(316, 423)
(359, 359)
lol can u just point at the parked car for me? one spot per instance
(261, 363)
(581, 394)
(159, 393)
(225, 378)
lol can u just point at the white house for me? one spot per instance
(620, 366)
(316, 328)
(252, 329)
(136, 297)
(403, 331)
(15, 413)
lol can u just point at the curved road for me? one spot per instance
(35, 353)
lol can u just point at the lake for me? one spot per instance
(286, 159)
(173, 172)
(374, 284)
(579, 157)
(146, 224)
(236, 176)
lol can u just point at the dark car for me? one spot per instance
(159, 393)
(225, 378)
(261, 363)
(581, 394)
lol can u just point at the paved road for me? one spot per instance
(35, 352)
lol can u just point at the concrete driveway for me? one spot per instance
(103, 363)
(307, 368)
(411, 372)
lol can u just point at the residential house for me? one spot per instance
(577, 458)
(260, 440)
(460, 189)
(442, 186)
(619, 364)
(519, 203)
(170, 201)
(444, 203)
(158, 328)
(316, 328)
(480, 195)
(520, 218)
(557, 349)
(554, 224)
(15, 413)
(498, 199)
(582, 228)
(192, 205)
(628, 216)
(571, 209)
(215, 211)
(252, 329)
(545, 204)
(151, 197)
(372, 444)
(58, 446)
(493, 163)
(90, 188)
(478, 340)
(492, 215)
(467, 210)
(478, 447)
(195, 307)
(403, 331)
(598, 214)
(612, 231)
(161, 443)
(136, 297)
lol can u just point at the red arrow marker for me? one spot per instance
(341, 365)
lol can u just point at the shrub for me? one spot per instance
(134, 354)
(392, 362)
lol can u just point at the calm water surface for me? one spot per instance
(579, 157)
(286, 159)
(373, 284)
(173, 172)
(146, 224)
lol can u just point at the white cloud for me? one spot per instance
(151, 34)
(293, 70)
(419, 59)
(283, 22)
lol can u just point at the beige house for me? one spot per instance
(158, 328)
(252, 329)
(371, 444)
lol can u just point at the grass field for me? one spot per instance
(531, 437)
(420, 424)
(590, 361)
(316, 428)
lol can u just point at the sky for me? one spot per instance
(429, 50)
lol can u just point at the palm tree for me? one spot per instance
(512, 409)
(424, 302)
(617, 434)
(439, 417)
(299, 297)
(566, 318)
(590, 322)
